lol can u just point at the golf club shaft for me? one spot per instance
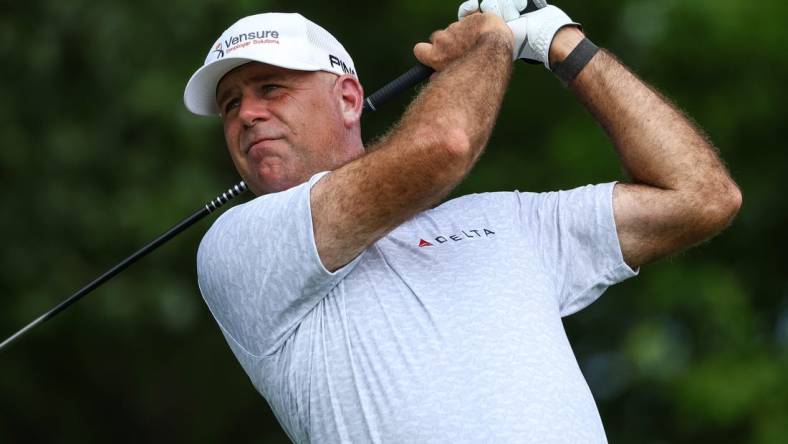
(401, 83)
(209, 208)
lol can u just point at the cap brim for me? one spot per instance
(200, 93)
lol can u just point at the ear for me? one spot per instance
(351, 99)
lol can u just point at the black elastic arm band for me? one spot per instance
(570, 67)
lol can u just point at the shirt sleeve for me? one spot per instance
(259, 271)
(576, 236)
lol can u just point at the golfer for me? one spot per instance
(362, 307)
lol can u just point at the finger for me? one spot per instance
(467, 8)
(423, 52)
(491, 7)
(452, 28)
(520, 5)
(504, 9)
(440, 36)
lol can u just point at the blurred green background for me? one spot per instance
(98, 155)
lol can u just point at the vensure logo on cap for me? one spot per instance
(245, 39)
(218, 50)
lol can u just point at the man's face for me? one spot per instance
(281, 126)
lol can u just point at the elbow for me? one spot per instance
(456, 143)
(448, 145)
(452, 136)
(734, 202)
(721, 206)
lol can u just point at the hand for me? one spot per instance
(533, 32)
(455, 41)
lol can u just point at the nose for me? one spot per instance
(252, 110)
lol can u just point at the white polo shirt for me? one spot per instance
(447, 330)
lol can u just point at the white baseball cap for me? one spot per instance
(285, 40)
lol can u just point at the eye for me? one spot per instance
(269, 88)
(231, 104)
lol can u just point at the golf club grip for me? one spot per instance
(418, 73)
(414, 76)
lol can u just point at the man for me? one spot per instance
(364, 314)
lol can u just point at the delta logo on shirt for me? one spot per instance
(463, 236)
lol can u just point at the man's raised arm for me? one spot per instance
(681, 193)
(431, 149)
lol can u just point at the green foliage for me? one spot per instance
(98, 155)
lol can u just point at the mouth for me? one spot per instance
(248, 147)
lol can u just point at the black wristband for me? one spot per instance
(570, 67)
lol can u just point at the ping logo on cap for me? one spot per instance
(336, 61)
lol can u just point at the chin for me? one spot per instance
(269, 185)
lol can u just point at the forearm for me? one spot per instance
(657, 145)
(462, 100)
(680, 192)
(418, 162)
(442, 133)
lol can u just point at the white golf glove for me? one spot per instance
(533, 32)
(508, 10)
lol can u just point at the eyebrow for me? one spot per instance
(222, 95)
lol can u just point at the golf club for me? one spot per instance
(407, 80)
